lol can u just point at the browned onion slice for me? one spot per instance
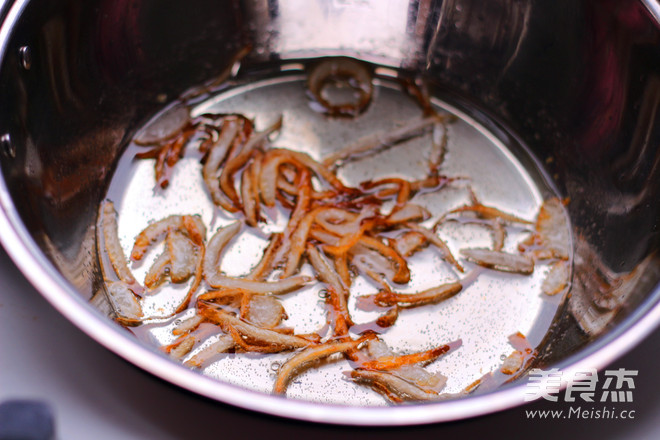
(122, 299)
(552, 236)
(202, 358)
(308, 356)
(499, 260)
(166, 126)
(557, 279)
(257, 335)
(428, 296)
(215, 278)
(241, 158)
(216, 156)
(347, 73)
(395, 388)
(108, 238)
(438, 243)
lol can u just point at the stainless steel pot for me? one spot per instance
(578, 82)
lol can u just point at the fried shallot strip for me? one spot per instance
(306, 357)
(395, 388)
(107, 228)
(489, 212)
(239, 160)
(203, 357)
(216, 156)
(337, 291)
(216, 279)
(276, 157)
(429, 296)
(256, 335)
(551, 238)
(438, 243)
(498, 260)
(393, 362)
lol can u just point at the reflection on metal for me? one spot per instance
(7, 146)
(653, 7)
(25, 57)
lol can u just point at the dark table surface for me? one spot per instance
(97, 395)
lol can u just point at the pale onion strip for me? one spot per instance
(262, 336)
(552, 228)
(326, 272)
(248, 200)
(557, 278)
(439, 142)
(181, 348)
(498, 260)
(258, 272)
(197, 232)
(216, 246)
(216, 156)
(215, 279)
(241, 158)
(341, 267)
(288, 187)
(489, 212)
(182, 256)
(386, 383)
(396, 361)
(373, 265)
(409, 212)
(255, 172)
(154, 233)
(400, 187)
(349, 240)
(337, 291)
(187, 325)
(219, 149)
(378, 141)
(408, 243)
(342, 222)
(433, 238)
(263, 311)
(158, 271)
(109, 230)
(290, 250)
(293, 366)
(293, 248)
(429, 296)
(122, 299)
(402, 273)
(323, 236)
(206, 355)
(499, 234)
(276, 157)
(285, 285)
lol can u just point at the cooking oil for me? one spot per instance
(488, 164)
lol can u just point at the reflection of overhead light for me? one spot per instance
(305, 27)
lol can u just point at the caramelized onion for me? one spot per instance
(345, 73)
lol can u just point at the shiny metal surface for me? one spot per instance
(584, 99)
